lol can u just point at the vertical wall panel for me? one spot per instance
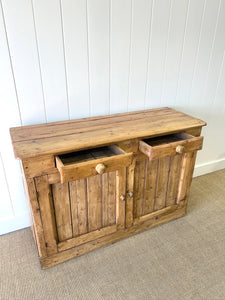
(202, 60)
(216, 58)
(47, 16)
(98, 38)
(119, 54)
(176, 38)
(216, 120)
(190, 48)
(76, 52)
(157, 51)
(212, 90)
(141, 20)
(23, 51)
(10, 116)
(5, 201)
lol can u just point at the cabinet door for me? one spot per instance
(75, 212)
(163, 179)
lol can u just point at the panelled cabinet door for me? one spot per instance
(163, 179)
(76, 212)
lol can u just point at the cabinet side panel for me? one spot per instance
(174, 175)
(187, 169)
(47, 213)
(37, 222)
(62, 210)
(162, 181)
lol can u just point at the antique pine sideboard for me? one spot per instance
(94, 181)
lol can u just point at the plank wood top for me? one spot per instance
(66, 136)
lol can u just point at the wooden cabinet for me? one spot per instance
(94, 181)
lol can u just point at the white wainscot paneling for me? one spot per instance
(140, 29)
(98, 42)
(120, 28)
(74, 19)
(74, 58)
(49, 33)
(157, 51)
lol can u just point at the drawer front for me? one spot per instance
(93, 166)
(171, 145)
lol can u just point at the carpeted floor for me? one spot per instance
(183, 259)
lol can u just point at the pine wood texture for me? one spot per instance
(67, 136)
(82, 169)
(158, 148)
(44, 196)
(157, 219)
(92, 182)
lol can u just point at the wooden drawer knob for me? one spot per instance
(180, 149)
(100, 168)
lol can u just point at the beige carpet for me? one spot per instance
(184, 259)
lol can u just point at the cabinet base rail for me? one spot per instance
(169, 214)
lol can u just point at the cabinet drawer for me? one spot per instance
(82, 164)
(170, 145)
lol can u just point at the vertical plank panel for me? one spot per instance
(47, 17)
(174, 176)
(105, 198)
(120, 191)
(35, 211)
(119, 54)
(130, 199)
(62, 210)
(215, 72)
(139, 179)
(139, 53)
(5, 204)
(215, 62)
(150, 189)
(218, 110)
(190, 48)
(98, 38)
(47, 213)
(176, 36)
(94, 202)
(158, 41)
(74, 16)
(162, 180)
(24, 55)
(74, 208)
(10, 116)
(203, 56)
(81, 190)
(112, 199)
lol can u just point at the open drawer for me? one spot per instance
(170, 145)
(86, 163)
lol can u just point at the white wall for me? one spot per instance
(74, 58)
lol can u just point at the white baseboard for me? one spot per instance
(14, 223)
(209, 167)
